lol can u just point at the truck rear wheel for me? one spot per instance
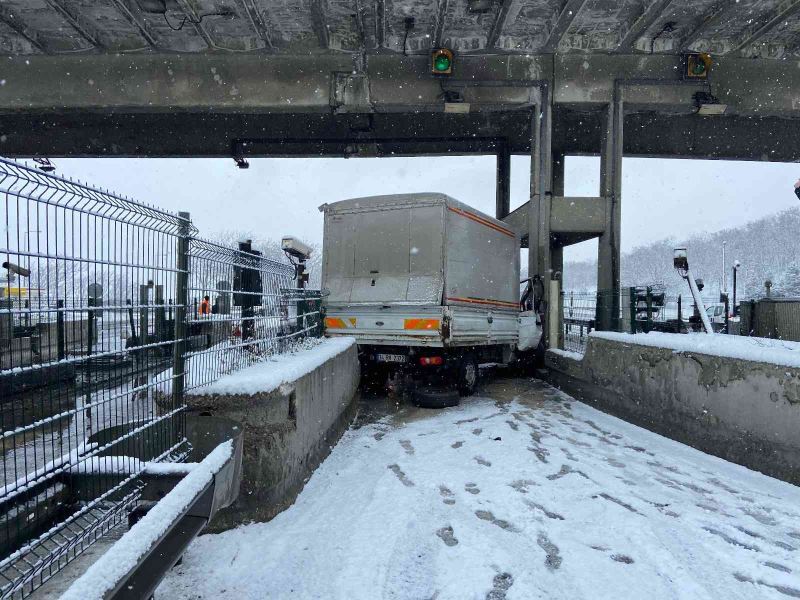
(467, 375)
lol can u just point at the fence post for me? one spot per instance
(632, 307)
(60, 333)
(181, 302)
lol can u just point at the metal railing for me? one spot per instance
(636, 309)
(101, 331)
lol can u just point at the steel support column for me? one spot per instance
(608, 253)
(539, 238)
(503, 197)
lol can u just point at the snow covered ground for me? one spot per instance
(521, 492)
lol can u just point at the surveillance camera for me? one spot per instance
(737, 264)
(296, 248)
(13, 268)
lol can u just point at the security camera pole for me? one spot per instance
(681, 263)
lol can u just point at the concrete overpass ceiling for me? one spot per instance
(746, 28)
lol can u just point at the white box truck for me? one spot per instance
(423, 282)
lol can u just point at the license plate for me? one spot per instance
(396, 358)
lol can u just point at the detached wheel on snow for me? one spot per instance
(467, 375)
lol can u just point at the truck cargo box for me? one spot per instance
(419, 270)
(423, 249)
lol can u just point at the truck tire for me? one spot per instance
(432, 397)
(467, 375)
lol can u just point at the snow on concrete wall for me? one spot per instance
(703, 394)
(293, 409)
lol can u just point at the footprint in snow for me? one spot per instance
(477, 431)
(783, 589)
(482, 461)
(552, 559)
(457, 444)
(447, 495)
(486, 515)
(472, 488)
(406, 444)
(500, 585)
(521, 485)
(446, 535)
(401, 475)
(548, 513)
(622, 558)
(566, 470)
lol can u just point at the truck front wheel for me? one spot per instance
(467, 375)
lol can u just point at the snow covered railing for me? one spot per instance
(136, 563)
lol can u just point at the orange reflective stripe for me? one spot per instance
(337, 323)
(486, 302)
(481, 220)
(334, 323)
(421, 323)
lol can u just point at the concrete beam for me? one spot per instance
(88, 31)
(10, 18)
(568, 215)
(498, 23)
(645, 20)
(132, 14)
(569, 10)
(320, 23)
(254, 83)
(438, 28)
(257, 21)
(781, 17)
(714, 15)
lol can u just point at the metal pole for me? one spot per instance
(698, 302)
(724, 274)
(735, 310)
(181, 303)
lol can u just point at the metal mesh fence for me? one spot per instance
(635, 309)
(101, 330)
(242, 308)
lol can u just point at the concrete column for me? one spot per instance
(557, 253)
(557, 250)
(539, 257)
(503, 197)
(608, 253)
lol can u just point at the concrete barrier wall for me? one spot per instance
(288, 432)
(743, 411)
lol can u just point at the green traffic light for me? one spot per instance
(441, 63)
(699, 67)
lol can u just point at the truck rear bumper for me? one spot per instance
(423, 326)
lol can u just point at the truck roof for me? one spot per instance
(368, 203)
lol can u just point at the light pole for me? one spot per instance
(681, 263)
(736, 265)
(724, 274)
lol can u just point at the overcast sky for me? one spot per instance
(661, 197)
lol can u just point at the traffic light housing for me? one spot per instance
(697, 65)
(442, 61)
